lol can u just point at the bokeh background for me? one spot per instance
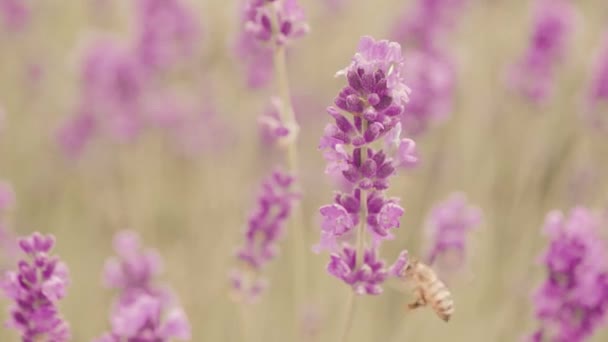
(513, 159)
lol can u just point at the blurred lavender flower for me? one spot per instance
(167, 32)
(143, 310)
(533, 74)
(112, 84)
(35, 288)
(431, 75)
(75, 133)
(14, 14)
(573, 300)
(597, 95)
(264, 25)
(374, 99)
(424, 25)
(146, 320)
(265, 228)
(447, 229)
(273, 130)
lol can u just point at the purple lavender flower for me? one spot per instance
(167, 32)
(597, 93)
(134, 270)
(146, 320)
(431, 75)
(264, 25)
(373, 100)
(366, 278)
(14, 14)
(572, 302)
(533, 73)
(425, 24)
(447, 229)
(265, 227)
(273, 130)
(74, 134)
(143, 310)
(35, 288)
(111, 102)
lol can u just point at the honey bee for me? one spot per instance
(428, 289)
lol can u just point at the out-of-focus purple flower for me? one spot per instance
(265, 227)
(431, 75)
(146, 320)
(367, 112)
(533, 74)
(572, 302)
(447, 228)
(596, 105)
(167, 32)
(134, 270)
(257, 59)
(111, 99)
(14, 14)
(424, 24)
(273, 130)
(35, 289)
(143, 310)
(264, 25)
(76, 133)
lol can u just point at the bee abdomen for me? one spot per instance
(442, 301)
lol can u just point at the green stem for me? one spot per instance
(287, 114)
(350, 313)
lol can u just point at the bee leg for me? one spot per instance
(420, 301)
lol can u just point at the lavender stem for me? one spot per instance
(288, 117)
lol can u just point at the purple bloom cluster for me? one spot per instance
(425, 25)
(533, 73)
(265, 227)
(167, 32)
(265, 24)
(143, 311)
(120, 81)
(35, 289)
(597, 94)
(14, 14)
(447, 229)
(429, 70)
(372, 101)
(273, 130)
(432, 77)
(368, 277)
(572, 302)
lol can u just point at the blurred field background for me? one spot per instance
(515, 160)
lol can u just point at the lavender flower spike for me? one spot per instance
(366, 118)
(534, 73)
(572, 302)
(447, 229)
(143, 310)
(266, 24)
(35, 288)
(265, 228)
